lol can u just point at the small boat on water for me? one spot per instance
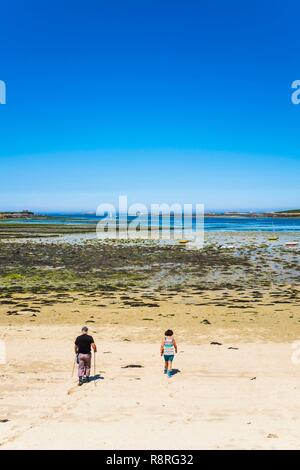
(291, 244)
(183, 241)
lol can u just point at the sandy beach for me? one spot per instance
(220, 398)
(235, 313)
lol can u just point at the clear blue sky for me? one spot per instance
(162, 100)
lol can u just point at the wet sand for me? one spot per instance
(248, 315)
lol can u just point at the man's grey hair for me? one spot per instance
(85, 328)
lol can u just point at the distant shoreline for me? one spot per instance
(28, 215)
(283, 215)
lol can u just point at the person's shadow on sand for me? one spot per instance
(95, 378)
(175, 371)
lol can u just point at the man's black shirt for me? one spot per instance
(83, 343)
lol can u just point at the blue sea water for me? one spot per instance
(211, 224)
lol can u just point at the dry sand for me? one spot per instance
(220, 398)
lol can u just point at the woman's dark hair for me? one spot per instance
(169, 333)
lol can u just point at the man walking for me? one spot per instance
(83, 344)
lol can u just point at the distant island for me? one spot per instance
(16, 215)
(286, 213)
